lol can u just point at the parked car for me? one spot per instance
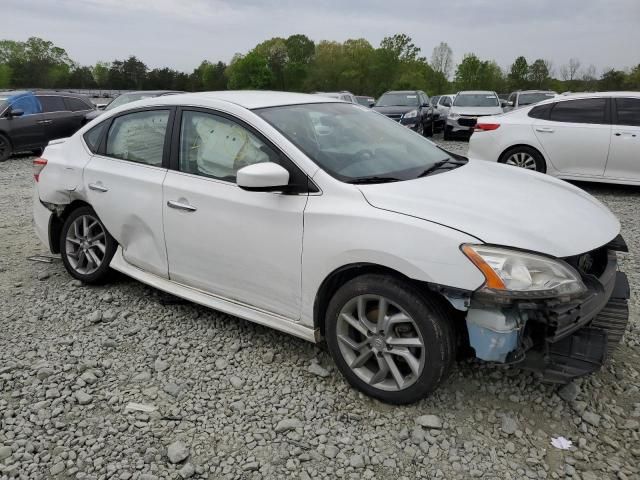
(366, 100)
(433, 100)
(344, 95)
(366, 235)
(128, 98)
(466, 108)
(29, 120)
(442, 110)
(524, 98)
(589, 136)
(410, 108)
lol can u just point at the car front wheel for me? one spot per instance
(388, 339)
(5, 148)
(524, 157)
(86, 246)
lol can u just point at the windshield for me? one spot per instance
(127, 98)
(531, 98)
(398, 100)
(353, 143)
(366, 101)
(475, 100)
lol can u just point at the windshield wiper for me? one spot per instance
(374, 179)
(440, 166)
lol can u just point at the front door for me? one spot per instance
(27, 130)
(124, 186)
(240, 245)
(624, 154)
(576, 136)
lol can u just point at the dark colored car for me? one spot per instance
(128, 98)
(365, 100)
(410, 108)
(29, 120)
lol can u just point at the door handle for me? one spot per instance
(98, 187)
(181, 206)
(545, 129)
(617, 134)
(45, 122)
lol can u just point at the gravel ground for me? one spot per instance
(223, 398)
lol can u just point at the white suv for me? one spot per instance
(466, 108)
(327, 220)
(590, 136)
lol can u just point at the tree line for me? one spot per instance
(297, 63)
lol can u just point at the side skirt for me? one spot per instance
(221, 304)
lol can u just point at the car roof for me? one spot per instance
(152, 92)
(579, 95)
(476, 92)
(249, 99)
(54, 92)
(402, 91)
(536, 91)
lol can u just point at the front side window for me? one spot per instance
(52, 103)
(398, 100)
(214, 146)
(587, 110)
(138, 137)
(355, 144)
(476, 100)
(28, 105)
(628, 111)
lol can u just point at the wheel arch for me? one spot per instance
(57, 221)
(502, 159)
(341, 275)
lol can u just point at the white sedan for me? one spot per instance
(326, 220)
(590, 136)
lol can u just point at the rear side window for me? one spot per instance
(628, 110)
(541, 111)
(138, 137)
(75, 104)
(588, 110)
(92, 137)
(51, 103)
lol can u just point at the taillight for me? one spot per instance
(38, 165)
(486, 127)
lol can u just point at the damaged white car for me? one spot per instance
(330, 222)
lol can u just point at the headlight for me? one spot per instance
(411, 114)
(516, 273)
(453, 116)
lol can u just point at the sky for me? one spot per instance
(180, 34)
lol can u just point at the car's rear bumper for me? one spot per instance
(41, 219)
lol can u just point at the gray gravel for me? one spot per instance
(223, 398)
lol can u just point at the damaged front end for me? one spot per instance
(563, 336)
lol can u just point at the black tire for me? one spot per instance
(103, 272)
(420, 129)
(541, 165)
(447, 133)
(429, 318)
(5, 148)
(428, 131)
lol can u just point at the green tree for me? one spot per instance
(402, 46)
(539, 73)
(612, 80)
(100, 72)
(250, 71)
(301, 51)
(5, 76)
(469, 73)
(518, 74)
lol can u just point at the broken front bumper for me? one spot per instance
(563, 339)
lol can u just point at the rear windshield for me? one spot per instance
(531, 98)
(398, 100)
(475, 100)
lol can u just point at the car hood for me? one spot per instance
(394, 110)
(503, 205)
(476, 110)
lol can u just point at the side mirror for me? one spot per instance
(17, 112)
(510, 103)
(262, 177)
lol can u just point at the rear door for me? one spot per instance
(56, 117)
(77, 108)
(624, 153)
(123, 182)
(576, 136)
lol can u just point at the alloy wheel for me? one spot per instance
(380, 342)
(85, 244)
(522, 160)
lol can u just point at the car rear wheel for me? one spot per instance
(388, 340)
(86, 246)
(447, 133)
(524, 157)
(5, 148)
